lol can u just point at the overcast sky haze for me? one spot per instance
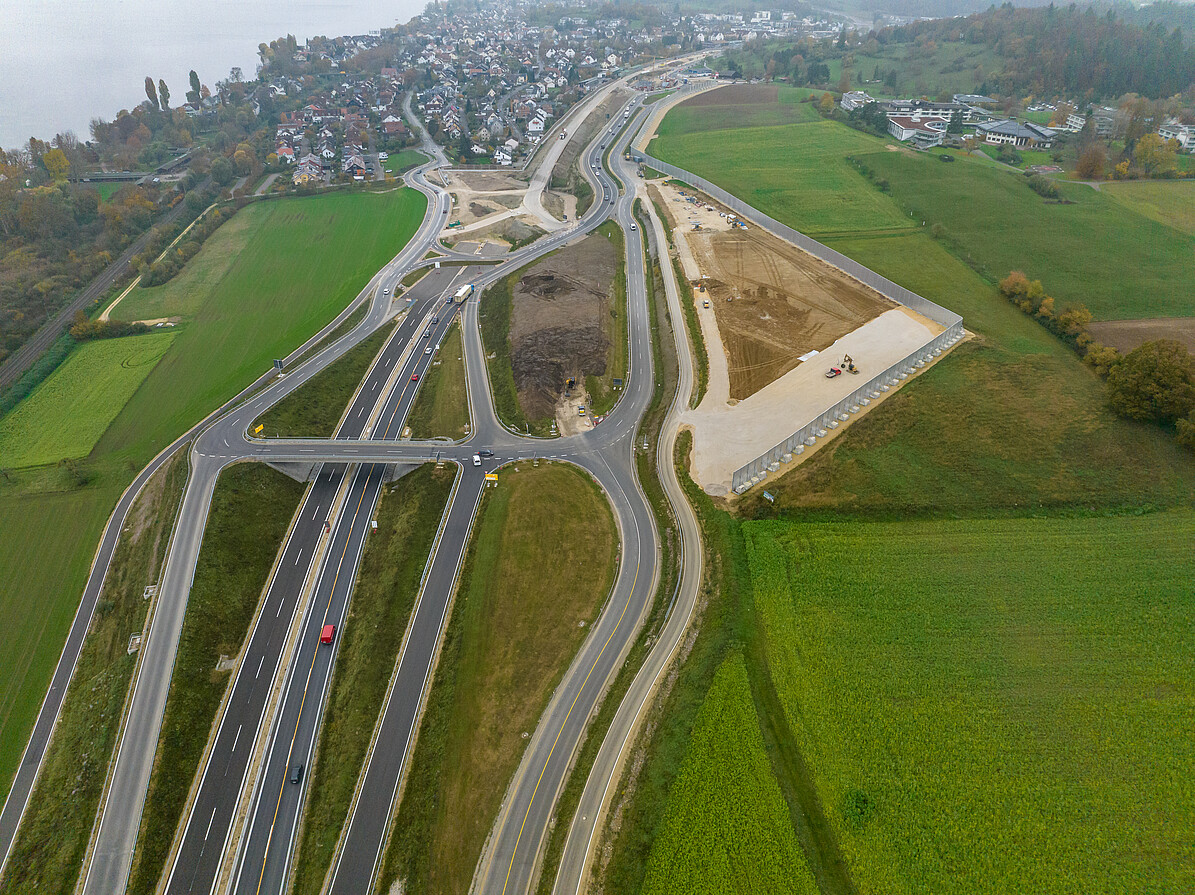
(63, 62)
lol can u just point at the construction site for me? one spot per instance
(787, 335)
(560, 317)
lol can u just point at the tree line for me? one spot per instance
(1153, 383)
(1071, 51)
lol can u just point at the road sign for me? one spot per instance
(277, 364)
(491, 477)
(769, 497)
(257, 431)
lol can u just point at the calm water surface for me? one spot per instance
(63, 62)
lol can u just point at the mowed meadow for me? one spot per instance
(262, 284)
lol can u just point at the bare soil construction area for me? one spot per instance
(560, 321)
(1125, 335)
(772, 301)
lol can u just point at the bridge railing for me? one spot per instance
(754, 471)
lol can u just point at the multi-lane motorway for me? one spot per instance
(239, 830)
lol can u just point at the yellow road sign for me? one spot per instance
(257, 431)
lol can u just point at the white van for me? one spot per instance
(477, 459)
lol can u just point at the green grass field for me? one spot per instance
(49, 539)
(385, 592)
(442, 405)
(402, 160)
(106, 190)
(1168, 202)
(1119, 257)
(251, 511)
(48, 852)
(1094, 249)
(714, 114)
(512, 634)
(992, 705)
(726, 827)
(1012, 420)
(301, 261)
(797, 173)
(65, 416)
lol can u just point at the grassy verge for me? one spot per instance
(383, 597)
(345, 326)
(727, 832)
(442, 405)
(512, 634)
(689, 304)
(665, 367)
(602, 394)
(638, 807)
(415, 276)
(48, 852)
(495, 312)
(251, 510)
(314, 408)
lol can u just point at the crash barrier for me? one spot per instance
(750, 474)
(755, 471)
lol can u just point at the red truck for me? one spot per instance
(327, 634)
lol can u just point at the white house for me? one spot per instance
(854, 99)
(1015, 133)
(1183, 133)
(927, 132)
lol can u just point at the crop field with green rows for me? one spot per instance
(66, 415)
(726, 828)
(992, 706)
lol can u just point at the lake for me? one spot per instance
(64, 62)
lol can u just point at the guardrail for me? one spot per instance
(746, 476)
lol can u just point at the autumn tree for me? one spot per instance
(1092, 162)
(1154, 382)
(1155, 156)
(163, 95)
(826, 104)
(151, 92)
(56, 164)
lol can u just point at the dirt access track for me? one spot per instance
(772, 302)
(560, 320)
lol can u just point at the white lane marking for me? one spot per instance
(298, 556)
(237, 738)
(315, 515)
(209, 825)
(277, 613)
(259, 664)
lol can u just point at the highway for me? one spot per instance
(197, 864)
(354, 465)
